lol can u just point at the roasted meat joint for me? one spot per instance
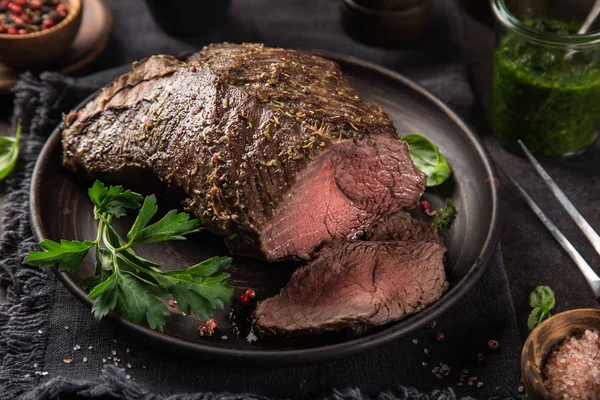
(275, 151)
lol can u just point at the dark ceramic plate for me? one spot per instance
(60, 209)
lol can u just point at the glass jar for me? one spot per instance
(546, 81)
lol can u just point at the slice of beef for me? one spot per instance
(271, 148)
(357, 283)
(400, 226)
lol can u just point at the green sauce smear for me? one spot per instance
(549, 101)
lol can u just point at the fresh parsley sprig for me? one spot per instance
(542, 301)
(128, 283)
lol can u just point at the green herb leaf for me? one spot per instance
(428, 159)
(198, 296)
(199, 289)
(170, 227)
(105, 296)
(444, 217)
(542, 301)
(68, 255)
(536, 317)
(149, 208)
(132, 284)
(104, 268)
(542, 296)
(113, 200)
(205, 269)
(136, 303)
(9, 152)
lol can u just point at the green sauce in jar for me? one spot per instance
(543, 95)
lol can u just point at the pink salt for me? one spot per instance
(572, 370)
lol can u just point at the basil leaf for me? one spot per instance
(428, 159)
(536, 317)
(542, 296)
(9, 152)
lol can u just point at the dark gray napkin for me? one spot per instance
(42, 324)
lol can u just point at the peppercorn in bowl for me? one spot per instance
(35, 33)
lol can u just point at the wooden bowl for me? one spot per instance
(385, 27)
(40, 49)
(543, 338)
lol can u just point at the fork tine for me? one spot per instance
(590, 276)
(585, 227)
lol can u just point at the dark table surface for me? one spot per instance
(527, 264)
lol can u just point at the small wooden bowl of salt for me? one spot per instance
(561, 357)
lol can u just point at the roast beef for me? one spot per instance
(271, 148)
(400, 226)
(357, 283)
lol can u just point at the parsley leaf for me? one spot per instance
(149, 208)
(113, 200)
(104, 296)
(131, 284)
(9, 152)
(136, 303)
(542, 301)
(199, 288)
(68, 255)
(428, 159)
(171, 227)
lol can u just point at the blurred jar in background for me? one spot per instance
(546, 80)
(386, 22)
(188, 18)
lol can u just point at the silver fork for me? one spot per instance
(591, 277)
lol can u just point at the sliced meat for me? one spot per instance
(400, 226)
(271, 148)
(357, 282)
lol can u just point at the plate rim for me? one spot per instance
(314, 355)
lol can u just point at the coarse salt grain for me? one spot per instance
(573, 367)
